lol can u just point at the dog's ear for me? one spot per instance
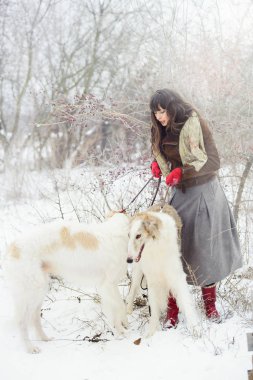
(152, 226)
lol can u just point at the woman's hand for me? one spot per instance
(156, 171)
(174, 177)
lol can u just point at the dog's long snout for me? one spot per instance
(129, 260)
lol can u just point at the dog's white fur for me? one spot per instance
(87, 255)
(161, 265)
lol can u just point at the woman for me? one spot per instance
(186, 155)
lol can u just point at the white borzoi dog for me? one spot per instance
(154, 248)
(85, 254)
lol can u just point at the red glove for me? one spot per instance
(156, 171)
(174, 177)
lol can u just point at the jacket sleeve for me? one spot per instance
(163, 164)
(191, 144)
(209, 165)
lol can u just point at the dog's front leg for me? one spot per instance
(135, 284)
(185, 303)
(154, 323)
(113, 306)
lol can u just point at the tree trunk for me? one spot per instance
(244, 177)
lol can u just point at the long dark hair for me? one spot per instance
(178, 109)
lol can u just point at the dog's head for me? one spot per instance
(144, 227)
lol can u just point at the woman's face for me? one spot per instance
(162, 116)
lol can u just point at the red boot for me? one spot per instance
(171, 319)
(209, 298)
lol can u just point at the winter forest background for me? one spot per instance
(54, 53)
(75, 82)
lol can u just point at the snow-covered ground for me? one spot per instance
(84, 347)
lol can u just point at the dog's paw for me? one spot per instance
(46, 338)
(195, 331)
(33, 350)
(120, 330)
(150, 332)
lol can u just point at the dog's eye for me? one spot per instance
(137, 236)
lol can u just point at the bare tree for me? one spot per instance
(22, 33)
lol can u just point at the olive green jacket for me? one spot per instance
(191, 147)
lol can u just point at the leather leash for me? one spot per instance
(146, 184)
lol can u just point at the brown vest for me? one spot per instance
(170, 150)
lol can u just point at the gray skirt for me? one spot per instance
(210, 244)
